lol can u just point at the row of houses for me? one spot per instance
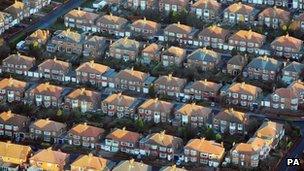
(201, 7)
(56, 160)
(15, 13)
(160, 145)
(213, 36)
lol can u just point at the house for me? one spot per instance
(142, 4)
(239, 13)
(263, 68)
(111, 24)
(297, 22)
(13, 155)
(230, 120)
(248, 155)
(279, 3)
(169, 85)
(170, 5)
(274, 17)
(13, 125)
(18, 64)
(160, 145)
(203, 59)
(271, 132)
(192, 114)
(19, 11)
(46, 130)
(36, 5)
(236, 64)
(202, 151)
(125, 49)
(127, 164)
(207, 10)
(297, 4)
(81, 20)
(180, 33)
(173, 167)
(288, 47)
(83, 99)
(292, 72)
(155, 110)
(202, 90)
(94, 47)
(122, 140)
(90, 162)
(132, 80)
(151, 53)
(66, 41)
(298, 87)
(48, 159)
(45, 94)
(84, 135)
(249, 41)
(213, 36)
(12, 90)
(145, 28)
(245, 95)
(38, 37)
(54, 69)
(6, 20)
(120, 105)
(173, 56)
(93, 73)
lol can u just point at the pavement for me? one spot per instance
(48, 19)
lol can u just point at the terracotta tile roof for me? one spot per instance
(231, 115)
(132, 165)
(12, 84)
(172, 168)
(269, 129)
(243, 88)
(16, 8)
(15, 151)
(207, 4)
(288, 41)
(297, 86)
(274, 12)
(85, 95)
(146, 24)
(18, 59)
(204, 146)
(214, 31)
(68, 36)
(194, 110)
(48, 89)
(111, 19)
(152, 48)
(239, 60)
(47, 125)
(90, 162)
(294, 67)
(92, 67)
(85, 130)
(40, 34)
(80, 14)
(176, 2)
(120, 100)
(300, 17)
(204, 54)
(175, 51)
(3, 16)
(170, 81)
(244, 35)
(288, 93)
(254, 145)
(96, 40)
(239, 8)
(10, 118)
(126, 43)
(163, 139)
(129, 74)
(204, 85)
(157, 105)
(124, 135)
(179, 28)
(50, 156)
(55, 64)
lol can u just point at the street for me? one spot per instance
(48, 19)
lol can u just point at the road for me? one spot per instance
(48, 19)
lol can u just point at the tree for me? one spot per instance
(4, 49)
(59, 112)
(139, 124)
(35, 50)
(152, 92)
(218, 137)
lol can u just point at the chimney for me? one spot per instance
(85, 124)
(131, 162)
(178, 23)
(230, 110)
(242, 84)
(162, 134)
(111, 14)
(170, 76)
(145, 20)
(9, 112)
(265, 57)
(124, 128)
(287, 35)
(156, 100)
(132, 69)
(47, 119)
(90, 155)
(55, 58)
(10, 81)
(222, 144)
(92, 63)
